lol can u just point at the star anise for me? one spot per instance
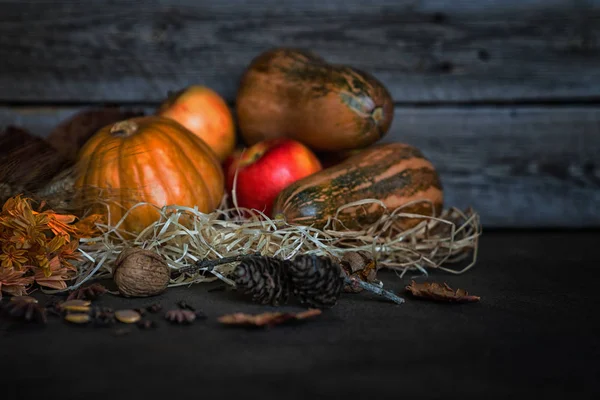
(154, 308)
(141, 311)
(147, 324)
(53, 307)
(26, 309)
(91, 292)
(185, 306)
(180, 316)
(103, 316)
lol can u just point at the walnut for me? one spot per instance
(141, 273)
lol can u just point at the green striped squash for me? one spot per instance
(394, 173)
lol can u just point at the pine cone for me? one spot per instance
(316, 281)
(265, 278)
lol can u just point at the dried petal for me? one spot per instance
(440, 292)
(55, 276)
(14, 282)
(87, 227)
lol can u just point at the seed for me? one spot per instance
(140, 311)
(154, 308)
(104, 316)
(185, 306)
(78, 318)
(128, 316)
(24, 299)
(76, 305)
(76, 308)
(147, 324)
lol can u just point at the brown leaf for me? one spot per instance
(59, 275)
(267, 318)
(440, 292)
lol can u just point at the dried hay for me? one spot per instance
(229, 231)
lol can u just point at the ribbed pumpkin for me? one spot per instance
(152, 159)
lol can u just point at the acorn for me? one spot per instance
(141, 273)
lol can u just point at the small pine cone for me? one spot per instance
(316, 281)
(264, 278)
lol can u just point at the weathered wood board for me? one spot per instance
(426, 51)
(517, 166)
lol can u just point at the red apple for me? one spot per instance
(266, 168)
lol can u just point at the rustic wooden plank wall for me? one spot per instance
(502, 95)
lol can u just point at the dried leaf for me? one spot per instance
(267, 319)
(87, 227)
(43, 242)
(440, 292)
(58, 275)
(14, 282)
(60, 224)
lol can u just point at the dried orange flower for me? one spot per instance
(38, 246)
(58, 276)
(87, 228)
(11, 257)
(14, 282)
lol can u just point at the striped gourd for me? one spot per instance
(394, 173)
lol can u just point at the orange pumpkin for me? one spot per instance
(151, 159)
(204, 113)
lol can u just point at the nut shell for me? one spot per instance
(141, 273)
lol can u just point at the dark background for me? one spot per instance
(502, 95)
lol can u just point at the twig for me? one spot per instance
(210, 264)
(374, 289)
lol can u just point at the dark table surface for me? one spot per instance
(532, 334)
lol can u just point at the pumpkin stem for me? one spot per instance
(124, 128)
